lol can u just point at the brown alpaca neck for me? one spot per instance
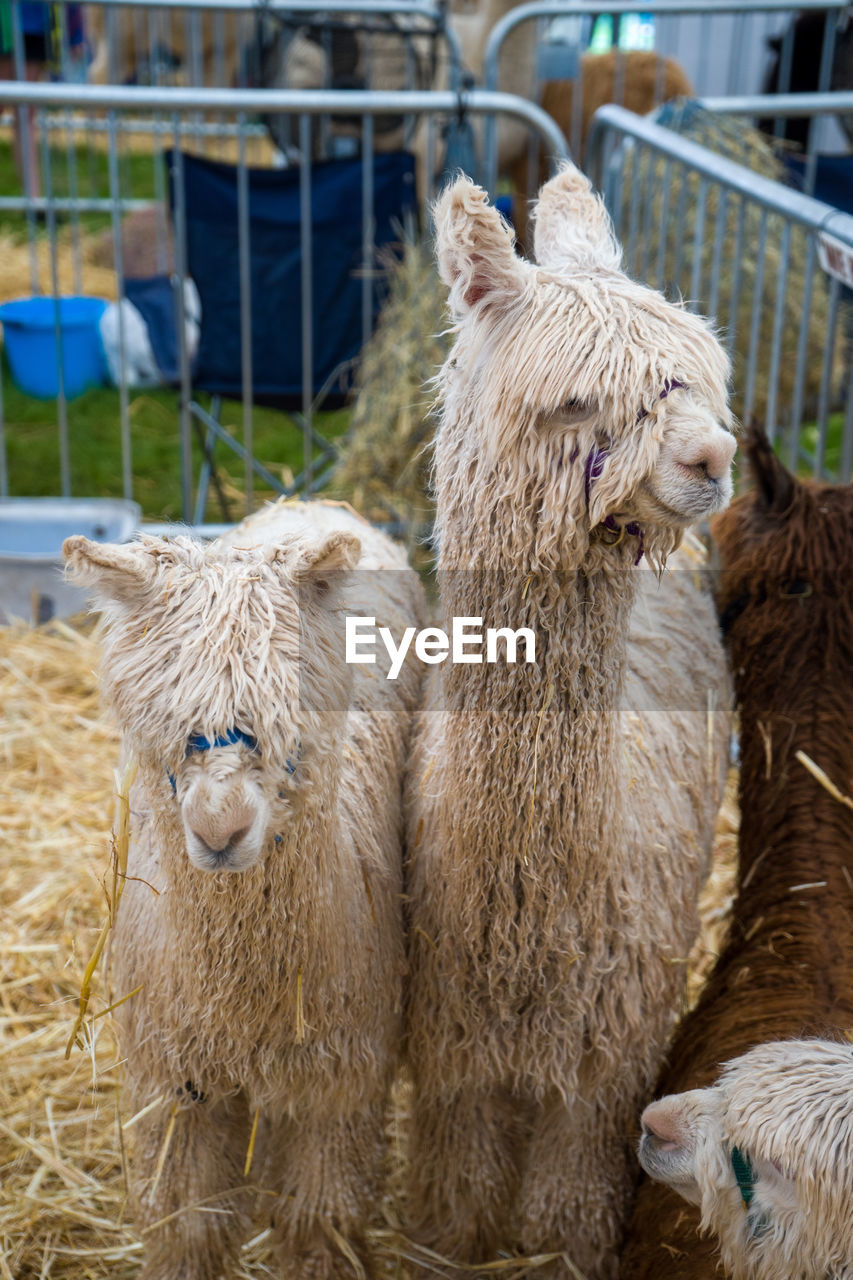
(782, 804)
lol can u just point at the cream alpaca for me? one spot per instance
(560, 815)
(782, 1204)
(275, 991)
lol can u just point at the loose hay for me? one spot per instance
(91, 278)
(62, 1184)
(384, 469)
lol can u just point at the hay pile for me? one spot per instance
(62, 1189)
(384, 470)
(95, 277)
(739, 142)
(260, 151)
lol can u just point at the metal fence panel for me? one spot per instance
(140, 125)
(746, 251)
(718, 50)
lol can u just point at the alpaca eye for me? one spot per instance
(797, 589)
(575, 410)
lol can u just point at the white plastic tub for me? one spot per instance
(32, 530)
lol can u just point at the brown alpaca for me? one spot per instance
(786, 605)
(262, 920)
(560, 813)
(636, 80)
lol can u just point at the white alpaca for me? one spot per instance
(560, 816)
(262, 918)
(767, 1154)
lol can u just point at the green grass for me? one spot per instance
(94, 431)
(89, 170)
(834, 437)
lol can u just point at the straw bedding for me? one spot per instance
(15, 280)
(62, 1190)
(384, 470)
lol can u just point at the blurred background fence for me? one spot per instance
(238, 193)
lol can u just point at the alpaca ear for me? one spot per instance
(320, 565)
(116, 572)
(475, 249)
(773, 481)
(572, 227)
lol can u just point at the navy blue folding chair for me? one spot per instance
(294, 348)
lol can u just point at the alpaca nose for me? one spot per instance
(658, 1122)
(220, 831)
(712, 454)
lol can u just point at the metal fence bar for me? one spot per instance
(25, 133)
(846, 469)
(413, 8)
(790, 105)
(154, 126)
(698, 241)
(734, 293)
(307, 287)
(666, 184)
(720, 224)
(61, 401)
(776, 342)
(244, 251)
(826, 376)
(768, 214)
(183, 355)
(755, 322)
(177, 106)
(634, 208)
(680, 220)
(773, 196)
(785, 62)
(802, 350)
(367, 228)
(555, 8)
(118, 255)
(309, 102)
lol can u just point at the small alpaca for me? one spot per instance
(560, 815)
(767, 1154)
(786, 606)
(262, 917)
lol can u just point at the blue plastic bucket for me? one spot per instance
(29, 336)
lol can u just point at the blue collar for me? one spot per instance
(199, 743)
(228, 739)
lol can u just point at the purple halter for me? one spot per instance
(594, 466)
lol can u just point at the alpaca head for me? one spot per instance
(225, 667)
(590, 394)
(785, 547)
(767, 1154)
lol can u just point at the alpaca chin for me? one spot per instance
(234, 857)
(684, 500)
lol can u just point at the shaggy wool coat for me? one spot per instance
(273, 993)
